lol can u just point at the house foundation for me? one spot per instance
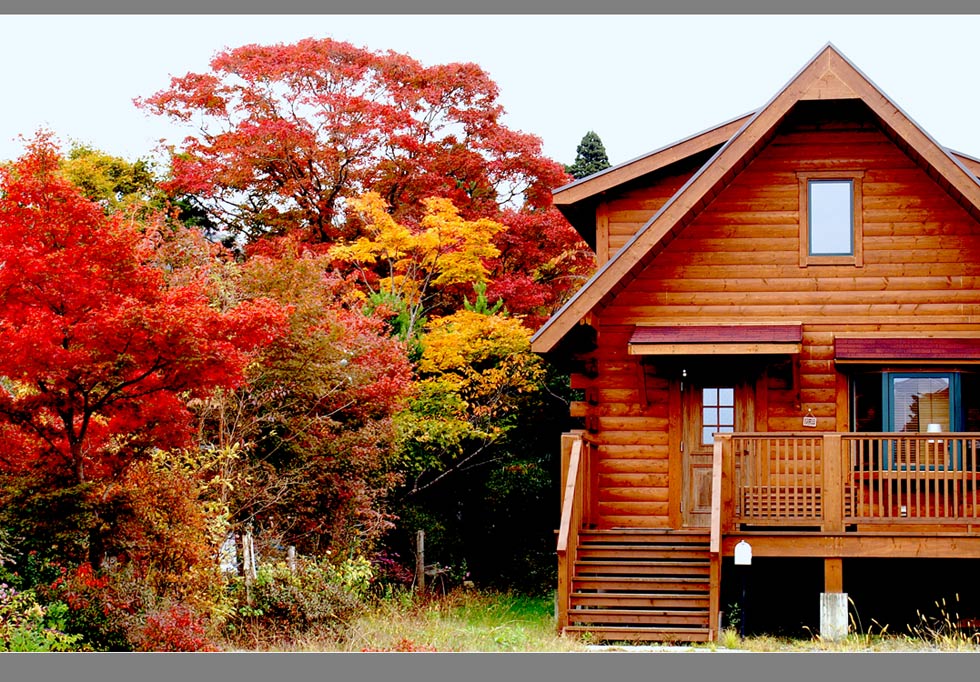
(833, 616)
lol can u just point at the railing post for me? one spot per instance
(567, 440)
(720, 489)
(833, 484)
(727, 484)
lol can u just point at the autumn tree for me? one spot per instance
(590, 157)
(312, 430)
(286, 135)
(287, 132)
(406, 267)
(477, 449)
(98, 356)
(112, 181)
(475, 373)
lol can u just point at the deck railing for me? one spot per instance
(572, 514)
(913, 478)
(833, 480)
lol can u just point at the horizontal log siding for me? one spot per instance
(738, 261)
(628, 425)
(629, 211)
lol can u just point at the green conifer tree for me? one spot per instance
(590, 157)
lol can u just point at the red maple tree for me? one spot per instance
(98, 355)
(287, 133)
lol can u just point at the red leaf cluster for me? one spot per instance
(290, 131)
(97, 354)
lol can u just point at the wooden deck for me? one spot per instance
(824, 495)
(838, 482)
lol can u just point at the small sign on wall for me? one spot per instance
(743, 554)
(809, 420)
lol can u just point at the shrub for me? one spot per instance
(390, 574)
(96, 609)
(26, 625)
(318, 598)
(176, 627)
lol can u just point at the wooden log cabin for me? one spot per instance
(780, 346)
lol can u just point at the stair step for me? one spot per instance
(644, 537)
(641, 584)
(638, 568)
(641, 600)
(659, 617)
(634, 584)
(645, 634)
(670, 553)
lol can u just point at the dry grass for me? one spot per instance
(468, 620)
(938, 630)
(463, 620)
(854, 642)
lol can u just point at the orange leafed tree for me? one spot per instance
(287, 134)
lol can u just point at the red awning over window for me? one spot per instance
(906, 349)
(717, 339)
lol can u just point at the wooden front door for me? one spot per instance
(709, 407)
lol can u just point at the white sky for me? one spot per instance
(639, 81)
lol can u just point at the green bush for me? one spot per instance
(317, 598)
(26, 625)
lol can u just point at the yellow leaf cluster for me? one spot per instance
(486, 358)
(445, 248)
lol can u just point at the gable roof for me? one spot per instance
(615, 176)
(577, 199)
(828, 75)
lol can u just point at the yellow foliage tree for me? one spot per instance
(404, 264)
(476, 373)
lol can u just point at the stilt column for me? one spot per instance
(833, 601)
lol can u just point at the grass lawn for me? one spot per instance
(463, 620)
(469, 620)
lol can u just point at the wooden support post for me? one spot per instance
(833, 601)
(727, 484)
(675, 456)
(561, 596)
(590, 485)
(714, 597)
(249, 565)
(723, 444)
(571, 520)
(833, 484)
(420, 562)
(567, 440)
(833, 574)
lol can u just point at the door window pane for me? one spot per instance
(717, 413)
(970, 395)
(868, 406)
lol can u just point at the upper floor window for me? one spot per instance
(831, 230)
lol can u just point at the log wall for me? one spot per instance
(739, 261)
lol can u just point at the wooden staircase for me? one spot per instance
(641, 585)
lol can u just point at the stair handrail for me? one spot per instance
(571, 520)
